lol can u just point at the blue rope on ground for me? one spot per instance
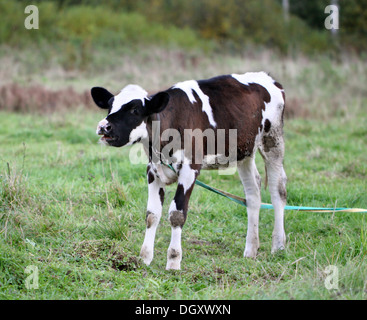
(242, 201)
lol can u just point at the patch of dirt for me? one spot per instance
(108, 251)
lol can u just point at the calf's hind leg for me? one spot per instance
(251, 182)
(277, 179)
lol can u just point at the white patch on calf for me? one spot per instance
(188, 87)
(127, 94)
(272, 108)
(187, 177)
(154, 201)
(172, 207)
(140, 132)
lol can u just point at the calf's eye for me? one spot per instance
(134, 111)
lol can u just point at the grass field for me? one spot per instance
(76, 210)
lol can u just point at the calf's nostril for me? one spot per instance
(107, 128)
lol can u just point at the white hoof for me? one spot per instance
(278, 243)
(250, 252)
(173, 265)
(174, 257)
(146, 255)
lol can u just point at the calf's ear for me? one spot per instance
(101, 96)
(157, 103)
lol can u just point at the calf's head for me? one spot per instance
(128, 111)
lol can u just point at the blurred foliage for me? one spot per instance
(86, 25)
(235, 24)
(354, 23)
(310, 11)
(225, 24)
(352, 19)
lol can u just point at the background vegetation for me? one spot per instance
(76, 210)
(232, 25)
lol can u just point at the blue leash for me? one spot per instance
(242, 201)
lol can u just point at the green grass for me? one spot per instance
(76, 211)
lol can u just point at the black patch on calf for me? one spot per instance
(173, 254)
(267, 125)
(161, 195)
(180, 197)
(278, 85)
(266, 95)
(150, 177)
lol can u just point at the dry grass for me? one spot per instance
(37, 98)
(319, 88)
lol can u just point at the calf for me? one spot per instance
(251, 104)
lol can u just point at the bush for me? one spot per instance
(83, 26)
(236, 24)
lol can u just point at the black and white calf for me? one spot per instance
(252, 104)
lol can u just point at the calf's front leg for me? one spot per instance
(178, 213)
(153, 216)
